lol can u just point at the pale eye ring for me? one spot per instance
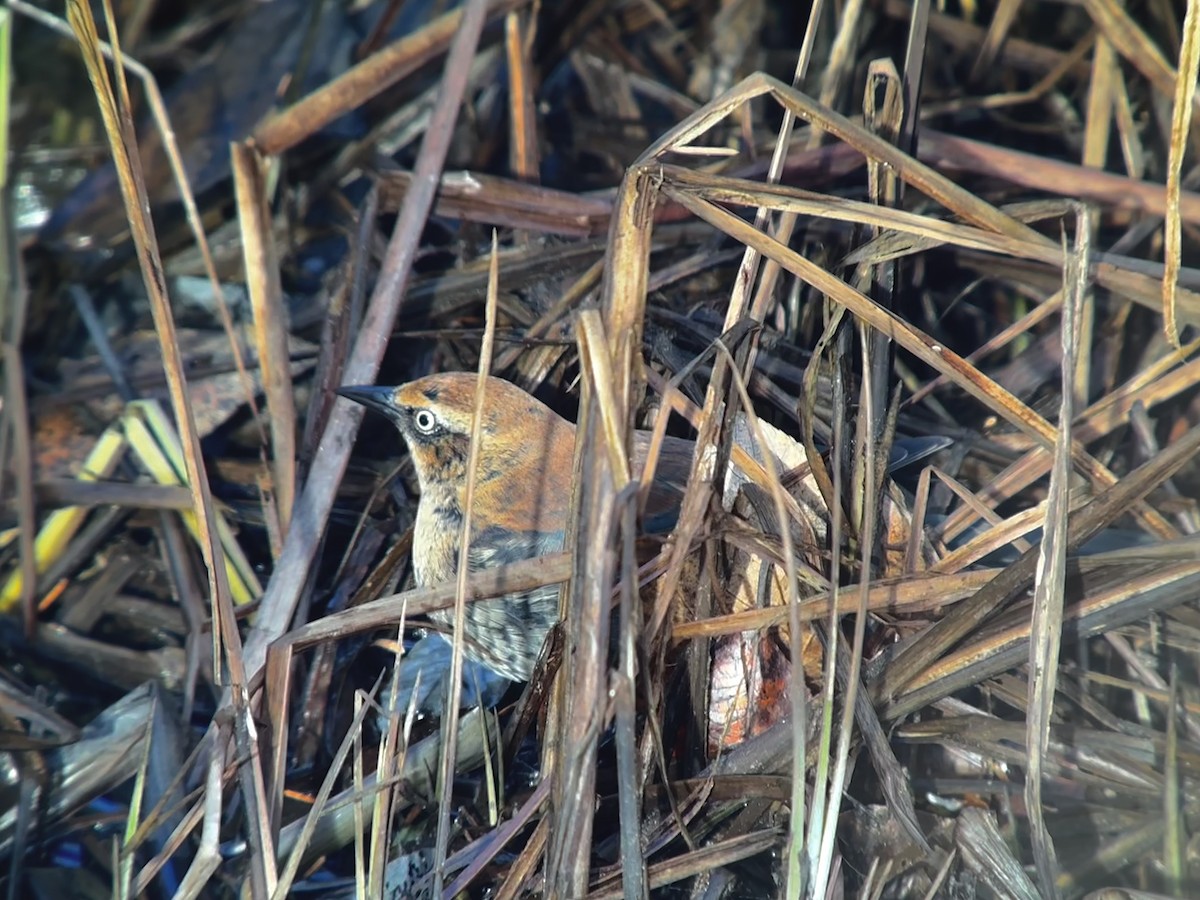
(424, 421)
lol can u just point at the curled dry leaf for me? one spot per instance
(749, 676)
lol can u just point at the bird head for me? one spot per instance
(524, 445)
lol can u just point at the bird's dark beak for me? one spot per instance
(372, 397)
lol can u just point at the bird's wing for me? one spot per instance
(671, 471)
(494, 546)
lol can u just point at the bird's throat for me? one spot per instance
(436, 537)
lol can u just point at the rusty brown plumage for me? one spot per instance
(522, 497)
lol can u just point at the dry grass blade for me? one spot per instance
(624, 691)
(1155, 383)
(582, 685)
(6, 77)
(387, 611)
(450, 720)
(841, 54)
(152, 440)
(1132, 42)
(1050, 580)
(825, 800)
(986, 851)
(1055, 177)
(787, 223)
(477, 197)
(1174, 839)
(374, 74)
(1101, 92)
(15, 436)
(998, 32)
(519, 31)
(119, 127)
(14, 425)
(593, 355)
(1181, 120)
(912, 172)
(920, 593)
(705, 860)
(1003, 533)
(270, 333)
(522, 871)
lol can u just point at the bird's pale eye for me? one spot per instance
(424, 421)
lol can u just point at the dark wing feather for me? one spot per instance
(506, 633)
